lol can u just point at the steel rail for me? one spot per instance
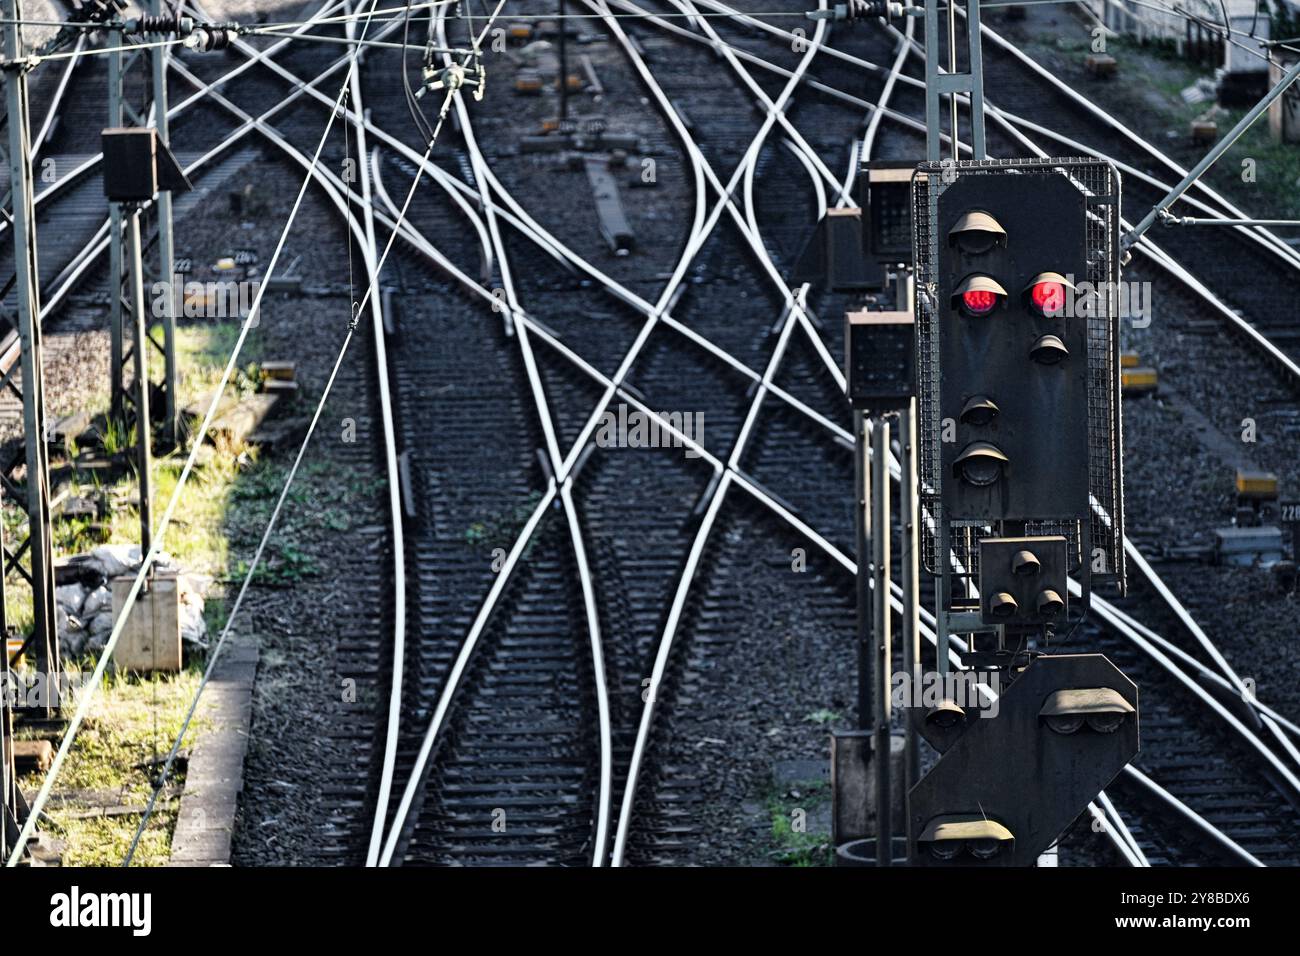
(1213, 832)
(604, 728)
(1163, 259)
(416, 779)
(1279, 247)
(724, 50)
(1116, 125)
(719, 491)
(516, 216)
(873, 121)
(819, 188)
(366, 241)
(428, 250)
(811, 534)
(395, 510)
(52, 114)
(1268, 241)
(68, 278)
(67, 179)
(186, 104)
(1124, 831)
(150, 557)
(701, 227)
(718, 39)
(1007, 120)
(336, 189)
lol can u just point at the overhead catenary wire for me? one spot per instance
(148, 559)
(394, 44)
(356, 310)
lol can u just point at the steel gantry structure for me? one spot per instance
(25, 479)
(129, 402)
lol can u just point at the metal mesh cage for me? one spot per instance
(1100, 541)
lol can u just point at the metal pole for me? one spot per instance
(166, 243)
(45, 638)
(952, 83)
(882, 649)
(907, 508)
(975, 58)
(1211, 158)
(143, 437)
(933, 126)
(9, 822)
(117, 404)
(564, 66)
(862, 483)
(952, 68)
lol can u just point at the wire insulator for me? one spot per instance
(866, 9)
(208, 38)
(164, 24)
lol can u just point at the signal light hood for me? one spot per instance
(1048, 350)
(1003, 605)
(977, 231)
(945, 714)
(978, 410)
(947, 836)
(1053, 278)
(1049, 603)
(1085, 701)
(980, 463)
(1025, 563)
(1049, 277)
(1102, 708)
(978, 283)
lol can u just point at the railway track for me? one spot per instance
(520, 725)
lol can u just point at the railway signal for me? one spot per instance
(1018, 410)
(1005, 788)
(1018, 370)
(1014, 357)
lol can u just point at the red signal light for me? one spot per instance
(1048, 297)
(1046, 294)
(978, 301)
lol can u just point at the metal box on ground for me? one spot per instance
(853, 784)
(1256, 484)
(1245, 546)
(151, 639)
(1139, 381)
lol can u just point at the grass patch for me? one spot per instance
(794, 841)
(132, 721)
(135, 718)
